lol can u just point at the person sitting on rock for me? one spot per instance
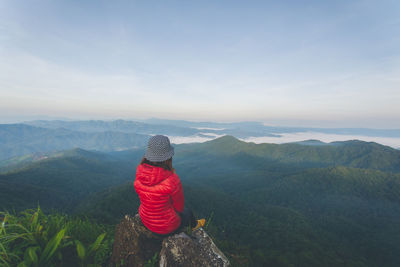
(160, 191)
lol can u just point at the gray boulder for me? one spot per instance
(195, 250)
(135, 245)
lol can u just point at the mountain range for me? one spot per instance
(296, 204)
(41, 137)
(21, 139)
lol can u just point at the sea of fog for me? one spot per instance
(292, 137)
(194, 138)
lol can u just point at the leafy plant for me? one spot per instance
(84, 254)
(34, 239)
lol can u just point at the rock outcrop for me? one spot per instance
(195, 250)
(135, 245)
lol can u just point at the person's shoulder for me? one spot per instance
(173, 178)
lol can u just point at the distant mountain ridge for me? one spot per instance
(186, 128)
(259, 127)
(48, 136)
(355, 153)
(312, 142)
(21, 139)
(122, 126)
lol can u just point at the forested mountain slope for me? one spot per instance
(319, 217)
(355, 153)
(63, 179)
(267, 211)
(269, 205)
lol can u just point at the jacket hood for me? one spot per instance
(151, 175)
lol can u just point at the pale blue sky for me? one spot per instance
(314, 63)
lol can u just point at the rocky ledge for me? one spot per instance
(135, 245)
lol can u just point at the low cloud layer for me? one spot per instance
(293, 137)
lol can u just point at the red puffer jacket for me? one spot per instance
(161, 197)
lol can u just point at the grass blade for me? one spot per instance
(80, 249)
(93, 247)
(31, 255)
(52, 246)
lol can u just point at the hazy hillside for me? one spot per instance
(110, 205)
(154, 126)
(21, 139)
(356, 154)
(20, 161)
(122, 126)
(64, 179)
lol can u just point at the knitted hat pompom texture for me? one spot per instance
(159, 149)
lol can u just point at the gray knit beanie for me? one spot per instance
(159, 149)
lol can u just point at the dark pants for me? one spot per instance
(187, 218)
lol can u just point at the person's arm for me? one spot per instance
(178, 200)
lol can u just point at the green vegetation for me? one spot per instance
(355, 154)
(35, 239)
(269, 205)
(111, 205)
(64, 180)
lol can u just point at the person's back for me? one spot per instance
(161, 197)
(160, 191)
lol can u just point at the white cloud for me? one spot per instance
(193, 139)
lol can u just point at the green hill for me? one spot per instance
(357, 154)
(111, 205)
(64, 179)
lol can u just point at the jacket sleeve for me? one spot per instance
(178, 200)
